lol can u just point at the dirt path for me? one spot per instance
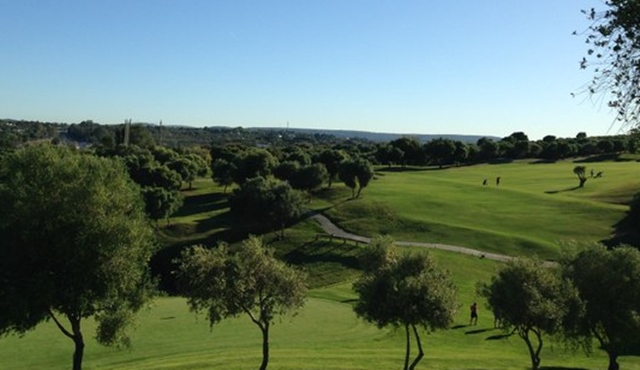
(330, 228)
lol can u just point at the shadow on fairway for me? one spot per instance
(499, 336)
(203, 203)
(560, 368)
(603, 158)
(477, 331)
(543, 161)
(562, 191)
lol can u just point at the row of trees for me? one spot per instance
(593, 294)
(441, 152)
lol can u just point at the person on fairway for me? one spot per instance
(474, 314)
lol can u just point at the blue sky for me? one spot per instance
(485, 67)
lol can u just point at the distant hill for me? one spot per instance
(378, 136)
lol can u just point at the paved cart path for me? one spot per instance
(332, 229)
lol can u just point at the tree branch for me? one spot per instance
(59, 325)
(420, 351)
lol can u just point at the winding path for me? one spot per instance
(332, 229)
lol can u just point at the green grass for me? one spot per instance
(324, 335)
(534, 209)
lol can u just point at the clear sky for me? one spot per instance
(485, 67)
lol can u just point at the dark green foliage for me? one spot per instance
(253, 163)
(608, 282)
(250, 281)
(581, 172)
(356, 173)
(285, 171)
(309, 178)
(530, 299)
(406, 290)
(161, 203)
(614, 40)
(223, 172)
(331, 158)
(440, 151)
(74, 243)
(266, 204)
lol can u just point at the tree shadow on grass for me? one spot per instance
(315, 252)
(202, 203)
(561, 191)
(603, 158)
(499, 336)
(543, 161)
(477, 331)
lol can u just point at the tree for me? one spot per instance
(223, 173)
(581, 172)
(186, 168)
(441, 151)
(255, 162)
(530, 299)
(309, 178)
(161, 203)
(488, 149)
(285, 171)
(356, 173)
(266, 203)
(331, 158)
(608, 282)
(74, 243)
(406, 290)
(614, 40)
(251, 281)
(411, 149)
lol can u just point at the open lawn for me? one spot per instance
(324, 335)
(535, 207)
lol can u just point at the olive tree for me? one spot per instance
(404, 290)
(581, 172)
(608, 282)
(530, 299)
(74, 244)
(268, 204)
(250, 281)
(356, 173)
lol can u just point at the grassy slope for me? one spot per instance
(326, 334)
(535, 208)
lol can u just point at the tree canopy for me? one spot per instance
(614, 40)
(530, 299)
(608, 282)
(249, 281)
(74, 243)
(406, 290)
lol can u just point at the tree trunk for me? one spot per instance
(613, 362)
(78, 340)
(408, 351)
(420, 351)
(265, 347)
(582, 181)
(535, 358)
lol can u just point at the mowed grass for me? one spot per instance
(536, 208)
(325, 334)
